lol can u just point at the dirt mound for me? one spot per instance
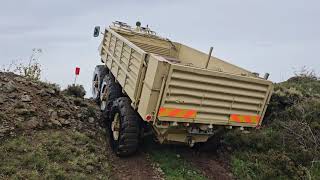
(26, 105)
(46, 133)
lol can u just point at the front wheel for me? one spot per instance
(124, 127)
(99, 72)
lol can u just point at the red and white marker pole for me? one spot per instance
(77, 72)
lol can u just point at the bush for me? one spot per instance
(288, 145)
(75, 90)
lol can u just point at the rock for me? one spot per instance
(57, 103)
(24, 112)
(54, 118)
(43, 93)
(53, 114)
(20, 105)
(25, 98)
(55, 122)
(89, 168)
(91, 120)
(12, 96)
(64, 113)
(4, 130)
(20, 79)
(51, 91)
(2, 99)
(9, 87)
(79, 115)
(65, 122)
(5, 79)
(18, 120)
(31, 124)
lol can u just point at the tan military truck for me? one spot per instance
(182, 94)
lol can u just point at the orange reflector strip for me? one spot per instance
(244, 119)
(179, 113)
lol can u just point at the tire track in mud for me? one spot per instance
(212, 165)
(135, 167)
(139, 166)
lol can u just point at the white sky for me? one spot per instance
(272, 36)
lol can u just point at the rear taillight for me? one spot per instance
(148, 117)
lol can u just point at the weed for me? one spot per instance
(175, 167)
(31, 70)
(75, 90)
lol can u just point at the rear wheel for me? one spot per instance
(99, 72)
(124, 127)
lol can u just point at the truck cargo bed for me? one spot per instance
(170, 82)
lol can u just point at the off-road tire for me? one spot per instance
(113, 91)
(130, 125)
(99, 72)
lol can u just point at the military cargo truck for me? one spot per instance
(181, 94)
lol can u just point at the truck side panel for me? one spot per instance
(125, 60)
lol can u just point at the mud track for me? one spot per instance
(213, 165)
(136, 167)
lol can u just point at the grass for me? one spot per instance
(53, 155)
(174, 167)
(315, 170)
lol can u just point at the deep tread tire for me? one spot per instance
(99, 72)
(128, 141)
(113, 91)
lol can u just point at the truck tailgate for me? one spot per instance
(212, 97)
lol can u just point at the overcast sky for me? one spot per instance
(272, 36)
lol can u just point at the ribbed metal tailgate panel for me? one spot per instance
(125, 60)
(214, 95)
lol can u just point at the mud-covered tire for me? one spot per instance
(99, 72)
(129, 128)
(110, 90)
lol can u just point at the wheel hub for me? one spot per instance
(95, 85)
(104, 98)
(115, 126)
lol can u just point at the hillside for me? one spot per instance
(46, 133)
(52, 134)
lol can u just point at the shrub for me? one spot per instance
(288, 145)
(75, 90)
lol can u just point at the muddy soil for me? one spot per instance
(210, 164)
(137, 167)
